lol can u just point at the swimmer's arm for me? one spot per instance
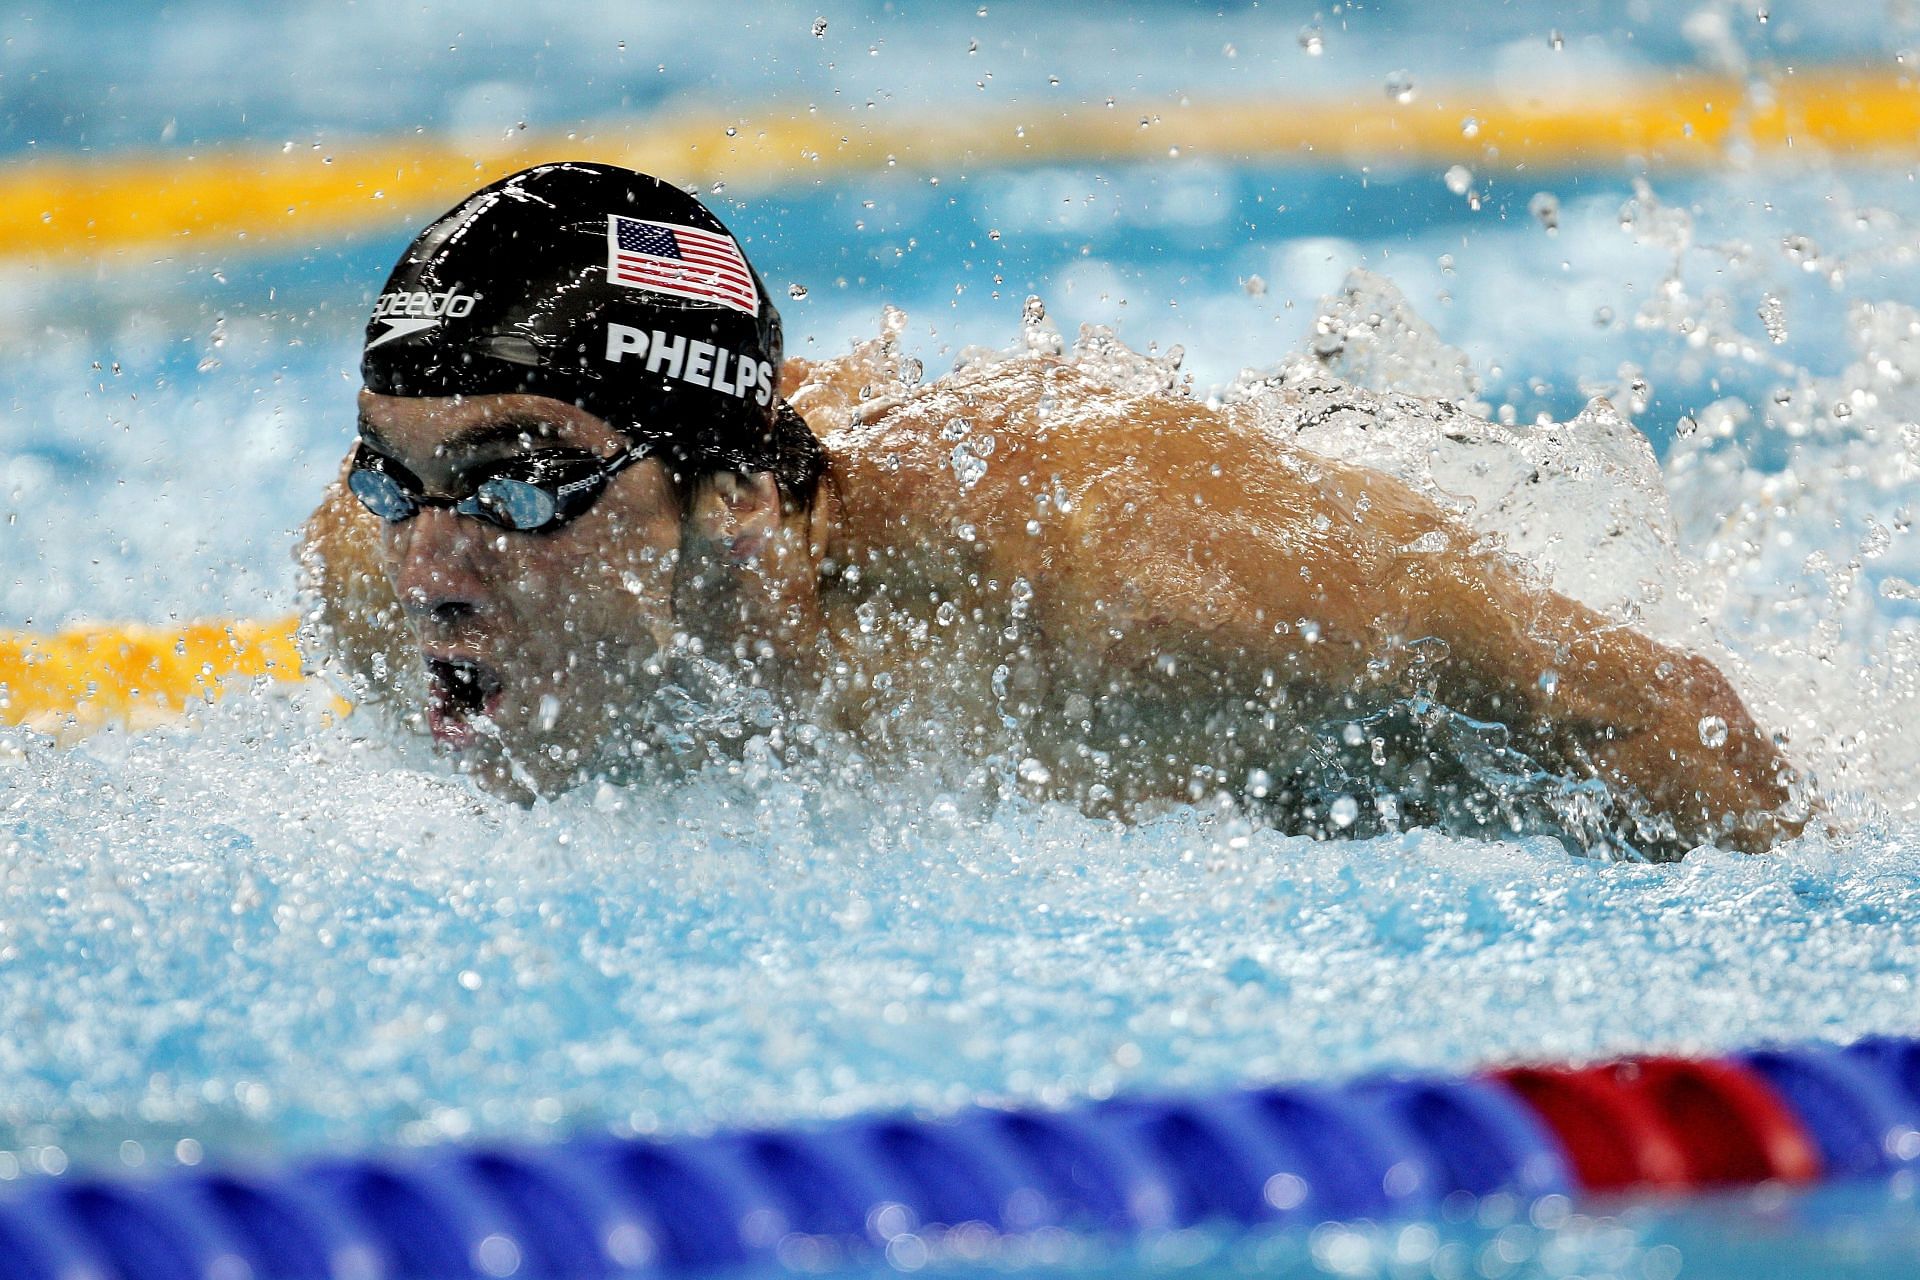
(1642, 714)
(1317, 574)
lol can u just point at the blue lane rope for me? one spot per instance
(595, 1206)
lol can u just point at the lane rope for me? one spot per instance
(240, 197)
(76, 682)
(961, 1187)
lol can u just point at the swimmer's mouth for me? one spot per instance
(459, 692)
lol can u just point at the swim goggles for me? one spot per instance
(533, 493)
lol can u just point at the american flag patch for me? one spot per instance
(682, 262)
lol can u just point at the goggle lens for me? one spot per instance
(381, 494)
(512, 504)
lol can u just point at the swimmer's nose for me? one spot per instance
(436, 578)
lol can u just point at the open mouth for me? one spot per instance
(459, 691)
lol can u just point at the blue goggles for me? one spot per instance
(533, 493)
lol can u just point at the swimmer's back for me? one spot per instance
(1127, 514)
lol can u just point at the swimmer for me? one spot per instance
(583, 469)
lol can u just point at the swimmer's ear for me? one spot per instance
(740, 513)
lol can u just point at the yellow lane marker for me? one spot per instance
(240, 197)
(72, 683)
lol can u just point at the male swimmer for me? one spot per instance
(578, 472)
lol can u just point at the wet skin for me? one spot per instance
(1148, 598)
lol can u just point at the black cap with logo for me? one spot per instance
(601, 287)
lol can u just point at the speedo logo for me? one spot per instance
(690, 360)
(411, 311)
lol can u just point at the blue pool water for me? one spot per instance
(265, 933)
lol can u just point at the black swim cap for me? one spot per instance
(604, 288)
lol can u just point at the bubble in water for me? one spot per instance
(1713, 732)
(1549, 682)
(1470, 127)
(1312, 40)
(1344, 811)
(1459, 179)
(819, 27)
(796, 291)
(1556, 41)
(1255, 286)
(1545, 207)
(1773, 315)
(1686, 426)
(1400, 87)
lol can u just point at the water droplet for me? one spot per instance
(969, 468)
(1713, 732)
(947, 614)
(732, 132)
(1470, 127)
(716, 188)
(1459, 179)
(819, 27)
(1773, 317)
(1762, 14)
(1353, 735)
(1549, 682)
(1254, 286)
(1312, 41)
(1686, 426)
(796, 291)
(1400, 87)
(1034, 773)
(1556, 41)
(1344, 811)
(1545, 206)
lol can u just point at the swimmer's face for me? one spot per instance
(535, 645)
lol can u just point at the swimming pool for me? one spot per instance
(263, 934)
